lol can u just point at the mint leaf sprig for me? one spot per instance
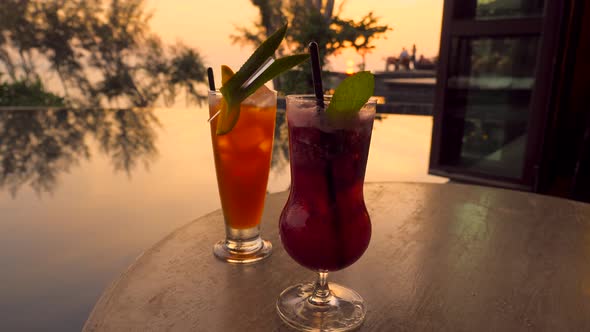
(351, 94)
(234, 91)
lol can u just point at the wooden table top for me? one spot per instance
(444, 257)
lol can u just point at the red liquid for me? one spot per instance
(325, 224)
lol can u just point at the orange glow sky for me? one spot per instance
(207, 25)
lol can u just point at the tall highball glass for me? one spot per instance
(242, 164)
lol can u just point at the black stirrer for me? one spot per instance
(211, 79)
(316, 74)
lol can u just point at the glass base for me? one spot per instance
(344, 311)
(242, 252)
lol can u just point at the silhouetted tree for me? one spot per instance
(102, 52)
(310, 20)
(360, 34)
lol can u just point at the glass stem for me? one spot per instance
(321, 293)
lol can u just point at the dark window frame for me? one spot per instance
(547, 28)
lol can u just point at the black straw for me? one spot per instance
(316, 74)
(211, 79)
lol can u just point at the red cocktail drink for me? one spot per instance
(325, 225)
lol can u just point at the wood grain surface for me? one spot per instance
(444, 257)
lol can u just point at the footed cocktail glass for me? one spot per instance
(242, 164)
(325, 225)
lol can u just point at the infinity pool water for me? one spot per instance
(82, 194)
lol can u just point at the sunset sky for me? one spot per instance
(207, 25)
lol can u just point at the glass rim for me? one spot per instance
(306, 97)
(217, 92)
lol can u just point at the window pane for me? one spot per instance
(496, 9)
(492, 63)
(487, 104)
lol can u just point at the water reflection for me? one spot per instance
(280, 150)
(38, 145)
(128, 137)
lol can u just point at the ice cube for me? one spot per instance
(263, 97)
(223, 142)
(248, 140)
(305, 115)
(265, 146)
(225, 157)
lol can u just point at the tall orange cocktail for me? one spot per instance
(242, 116)
(242, 163)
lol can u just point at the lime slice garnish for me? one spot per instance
(226, 74)
(224, 113)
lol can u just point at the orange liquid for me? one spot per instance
(242, 163)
